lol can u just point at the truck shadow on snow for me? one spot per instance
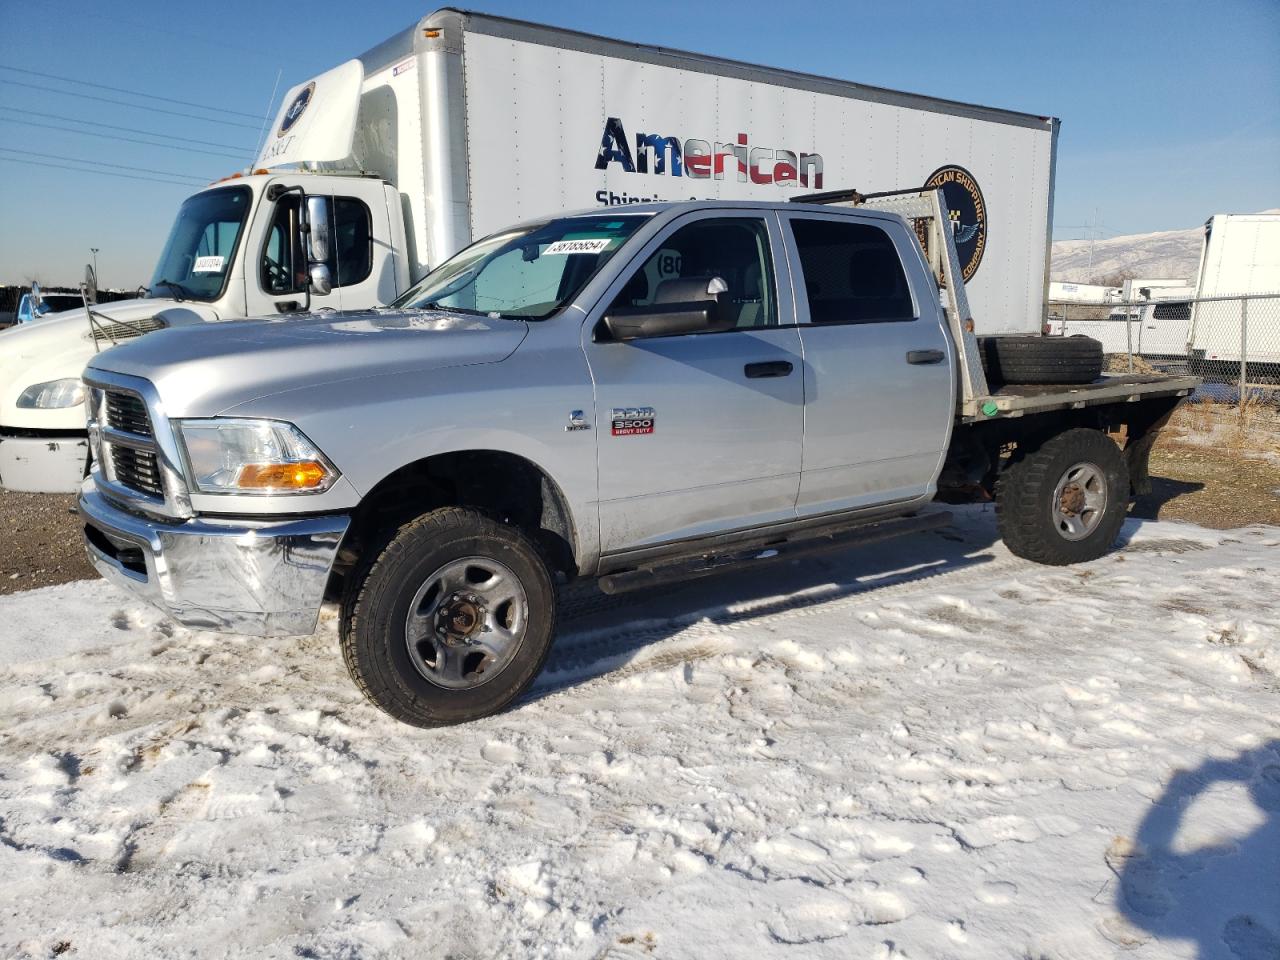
(599, 634)
(1204, 865)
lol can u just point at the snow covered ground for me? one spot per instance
(924, 749)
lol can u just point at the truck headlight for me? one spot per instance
(253, 456)
(53, 395)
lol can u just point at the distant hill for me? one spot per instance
(1168, 253)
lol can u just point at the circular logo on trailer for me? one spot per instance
(968, 214)
(297, 108)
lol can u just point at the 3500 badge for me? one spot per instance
(632, 421)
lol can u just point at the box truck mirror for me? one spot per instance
(319, 240)
(321, 279)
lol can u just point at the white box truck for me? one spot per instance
(464, 123)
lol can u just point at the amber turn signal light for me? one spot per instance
(304, 475)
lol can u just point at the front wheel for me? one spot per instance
(1065, 502)
(452, 621)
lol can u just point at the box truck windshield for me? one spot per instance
(201, 248)
(527, 273)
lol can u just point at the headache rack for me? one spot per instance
(925, 208)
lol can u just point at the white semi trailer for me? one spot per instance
(464, 123)
(1240, 260)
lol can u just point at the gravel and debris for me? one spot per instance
(42, 543)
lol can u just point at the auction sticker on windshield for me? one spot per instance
(589, 245)
(208, 265)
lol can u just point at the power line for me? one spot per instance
(132, 93)
(111, 126)
(104, 163)
(125, 103)
(112, 136)
(192, 36)
(101, 173)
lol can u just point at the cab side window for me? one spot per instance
(284, 263)
(851, 273)
(735, 249)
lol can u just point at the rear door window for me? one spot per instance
(851, 272)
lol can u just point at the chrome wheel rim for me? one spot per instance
(1079, 501)
(466, 623)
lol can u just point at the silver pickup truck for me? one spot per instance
(635, 395)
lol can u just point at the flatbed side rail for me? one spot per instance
(1018, 401)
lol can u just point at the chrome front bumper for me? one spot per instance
(233, 576)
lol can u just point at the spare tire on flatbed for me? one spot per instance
(1015, 359)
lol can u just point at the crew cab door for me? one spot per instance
(879, 375)
(699, 433)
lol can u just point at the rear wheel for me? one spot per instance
(1065, 502)
(452, 621)
(1017, 359)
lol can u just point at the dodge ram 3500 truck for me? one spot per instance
(657, 391)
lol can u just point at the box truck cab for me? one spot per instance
(464, 123)
(235, 250)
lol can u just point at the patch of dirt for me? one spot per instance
(1212, 487)
(41, 537)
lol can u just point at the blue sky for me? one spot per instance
(1171, 111)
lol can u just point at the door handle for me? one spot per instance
(925, 356)
(768, 368)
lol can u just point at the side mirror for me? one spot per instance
(319, 240)
(321, 280)
(693, 305)
(664, 320)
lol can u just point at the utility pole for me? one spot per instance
(94, 251)
(1093, 238)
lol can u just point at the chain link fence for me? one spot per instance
(1232, 343)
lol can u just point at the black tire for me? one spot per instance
(1033, 516)
(374, 629)
(1041, 359)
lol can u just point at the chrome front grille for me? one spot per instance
(127, 412)
(137, 469)
(136, 459)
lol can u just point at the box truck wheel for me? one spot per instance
(1064, 502)
(1015, 359)
(452, 621)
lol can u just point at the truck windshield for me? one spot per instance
(527, 273)
(201, 247)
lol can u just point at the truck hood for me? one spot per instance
(59, 346)
(202, 371)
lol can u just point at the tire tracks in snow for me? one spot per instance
(607, 654)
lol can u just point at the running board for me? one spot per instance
(803, 544)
